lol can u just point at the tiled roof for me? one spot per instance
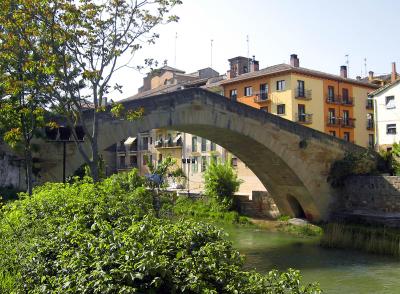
(283, 68)
(386, 87)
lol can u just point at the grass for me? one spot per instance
(378, 240)
(207, 209)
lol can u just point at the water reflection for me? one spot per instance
(338, 271)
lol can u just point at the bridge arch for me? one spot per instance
(289, 159)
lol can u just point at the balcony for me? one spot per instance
(370, 124)
(348, 122)
(333, 122)
(370, 104)
(169, 143)
(261, 97)
(122, 167)
(304, 118)
(302, 94)
(346, 101)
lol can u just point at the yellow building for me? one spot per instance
(334, 104)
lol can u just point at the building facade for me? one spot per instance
(332, 104)
(387, 115)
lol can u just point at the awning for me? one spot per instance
(177, 138)
(129, 141)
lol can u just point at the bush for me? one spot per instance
(352, 164)
(221, 182)
(104, 237)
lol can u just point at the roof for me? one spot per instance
(384, 88)
(286, 68)
(170, 68)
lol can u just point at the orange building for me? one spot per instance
(334, 104)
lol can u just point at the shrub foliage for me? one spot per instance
(87, 237)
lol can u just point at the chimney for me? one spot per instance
(254, 65)
(294, 61)
(370, 75)
(343, 71)
(394, 73)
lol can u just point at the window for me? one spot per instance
(203, 163)
(280, 85)
(301, 108)
(133, 161)
(331, 93)
(245, 69)
(264, 108)
(331, 116)
(195, 167)
(234, 162)
(370, 121)
(346, 136)
(345, 96)
(391, 129)
(233, 94)
(300, 89)
(248, 91)
(346, 120)
(122, 162)
(203, 145)
(194, 144)
(280, 109)
(213, 146)
(390, 104)
(371, 140)
(160, 158)
(264, 91)
(332, 133)
(145, 143)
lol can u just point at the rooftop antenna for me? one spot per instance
(365, 65)
(347, 63)
(176, 38)
(212, 52)
(248, 52)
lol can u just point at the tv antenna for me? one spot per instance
(365, 65)
(176, 38)
(212, 52)
(347, 64)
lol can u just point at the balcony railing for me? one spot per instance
(340, 100)
(121, 149)
(348, 122)
(303, 94)
(261, 97)
(168, 143)
(333, 121)
(370, 124)
(370, 104)
(126, 166)
(304, 118)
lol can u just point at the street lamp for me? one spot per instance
(188, 161)
(62, 135)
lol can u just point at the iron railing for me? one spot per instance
(304, 118)
(303, 94)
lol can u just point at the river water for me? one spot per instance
(337, 271)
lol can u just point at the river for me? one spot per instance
(337, 271)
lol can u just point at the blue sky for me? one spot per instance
(321, 32)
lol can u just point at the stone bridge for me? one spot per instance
(292, 161)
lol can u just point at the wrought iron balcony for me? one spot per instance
(348, 122)
(169, 143)
(346, 100)
(370, 124)
(304, 118)
(333, 100)
(333, 121)
(303, 94)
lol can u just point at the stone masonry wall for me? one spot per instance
(9, 171)
(378, 194)
(260, 206)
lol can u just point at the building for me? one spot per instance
(387, 115)
(334, 104)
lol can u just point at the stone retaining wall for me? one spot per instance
(260, 206)
(380, 194)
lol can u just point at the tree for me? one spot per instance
(24, 75)
(88, 39)
(221, 182)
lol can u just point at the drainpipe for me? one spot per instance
(375, 103)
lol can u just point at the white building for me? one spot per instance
(387, 115)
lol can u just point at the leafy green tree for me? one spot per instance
(24, 77)
(221, 182)
(103, 237)
(88, 40)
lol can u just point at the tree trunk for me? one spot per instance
(28, 169)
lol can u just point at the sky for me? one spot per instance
(320, 32)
